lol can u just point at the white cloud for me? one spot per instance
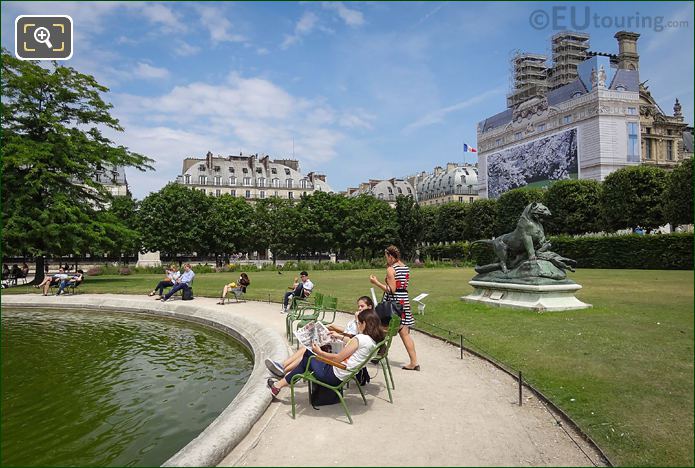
(439, 115)
(184, 49)
(147, 71)
(303, 27)
(160, 14)
(262, 51)
(351, 17)
(219, 27)
(358, 118)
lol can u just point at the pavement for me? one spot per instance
(454, 412)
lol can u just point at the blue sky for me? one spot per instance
(361, 89)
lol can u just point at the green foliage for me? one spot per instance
(228, 224)
(650, 252)
(511, 204)
(173, 220)
(452, 251)
(370, 224)
(480, 220)
(574, 205)
(451, 221)
(678, 196)
(632, 197)
(410, 225)
(52, 121)
(429, 223)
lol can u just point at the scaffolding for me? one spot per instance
(528, 77)
(569, 50)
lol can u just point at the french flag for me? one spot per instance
(469, 149)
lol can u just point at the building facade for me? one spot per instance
(250, 177)
(585, 117)
(387, 189)
(455, 183)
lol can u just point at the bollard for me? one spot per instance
(519, 388)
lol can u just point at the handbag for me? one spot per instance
(388, 307)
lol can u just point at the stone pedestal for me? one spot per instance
(541, 298)
(149, 259)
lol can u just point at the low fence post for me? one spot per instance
(520, 402)
(461, 346)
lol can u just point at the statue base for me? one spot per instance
(541, 298)
(149, 259)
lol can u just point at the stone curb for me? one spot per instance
(232, 425)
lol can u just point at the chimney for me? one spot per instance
(628, 59)
(677, 110)
(208, 160)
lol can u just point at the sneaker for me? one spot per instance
(273, 390)
(151, 294)
(163, 299)
(283, 311)
(275, 368)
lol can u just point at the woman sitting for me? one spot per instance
(75, 280)
(54, 280)
(357, 348)
(172, 275)
(236, 288)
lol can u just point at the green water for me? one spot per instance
(89, 388)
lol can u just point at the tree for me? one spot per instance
(121, 217)
(480, 220)
(371, 225)
(574, 205)
(228, 224)
(511, 204)
(52, 144)
(632, 197)
(678, 196)
(429, 223)
(451, 221)
(173, 221)
(410, 226)
(322, 217)
(272, 226)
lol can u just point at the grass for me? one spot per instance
(623, 370)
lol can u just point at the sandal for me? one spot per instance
(416, 368)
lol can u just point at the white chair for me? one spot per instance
(420, 305)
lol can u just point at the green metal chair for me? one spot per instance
(298, 311)
(330, 304)
(383, 358)
(308, 376)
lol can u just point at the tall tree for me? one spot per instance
(52, 144)
(511, 204)
(574, 205)
(480, 220)
(678, 196)
(410, 225)
(632, 197)
(228, 225)
(451, 221)
(173, 221)
(371, 225)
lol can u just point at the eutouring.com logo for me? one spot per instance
(562, 17)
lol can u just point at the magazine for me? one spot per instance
(313, 332)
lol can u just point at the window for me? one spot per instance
(390, 190)
(218, 192)
(290, 195)
(303, 183)
(498, 142)
(245, 170)
(541, 127)
(188, 179)
(202, 180)
(632, 142)
(669, 132)
(217, 169)
(273, 171)
(261, 182)
(288, 183)
(399, 190)
(276, 183)
(201, 167)
(218, 180)
(631, 111)
(567, 119)
(231, 170)
(410, 192)
(381, 196)
(233, 193)
(232, 180)
(247, 181)
(248, 194)
(576, 95)
(460, 199)
(620, 88)
(97, 177)
(259, 170)
(517, 136)
(669, 150)
(276, 193)
(287, 172)
(261, 194)
(648, 130)
(648, 148)
(470, 199)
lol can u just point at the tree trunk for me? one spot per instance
(40, 274)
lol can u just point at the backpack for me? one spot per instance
(363, 377)
(187, 294)
(322, 396)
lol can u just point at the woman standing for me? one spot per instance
(396, 289)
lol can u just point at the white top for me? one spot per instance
(174, 275)
(308, 285)
(365, 345)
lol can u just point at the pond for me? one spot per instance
(107, 389)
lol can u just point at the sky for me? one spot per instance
(354, 90)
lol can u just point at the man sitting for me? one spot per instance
(301, 289)
(184, 281)
(73, 281)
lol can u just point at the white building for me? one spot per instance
(456, 182)
(584, 129)
(387, 189)
(250, 177)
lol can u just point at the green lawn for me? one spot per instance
(623, 370)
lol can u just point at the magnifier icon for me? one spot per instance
(43, 36)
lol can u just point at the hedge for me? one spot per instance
(650, 252)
